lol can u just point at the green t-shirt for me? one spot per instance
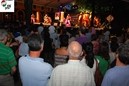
(7, 59)
(103, 64)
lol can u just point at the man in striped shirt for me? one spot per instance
(7, 61)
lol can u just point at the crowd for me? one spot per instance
(60, 56)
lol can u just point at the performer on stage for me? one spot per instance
(68, 21)
(47, 19)
(32, 18)
(80, 19)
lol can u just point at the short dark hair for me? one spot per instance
(94, 37)
(34, 42)
(64, 40)
(123, 53)
(104, 50)
(114, 44)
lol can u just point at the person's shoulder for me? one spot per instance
(112, 71)
(22, 58)
(4, 46)
(58, 68)
(8, 48)
(98, 56)
(40, 27)
(51, 26)
(61, 66)
(86, 68)
(45, 64)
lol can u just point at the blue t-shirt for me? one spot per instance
(117, 76)
(34, 71)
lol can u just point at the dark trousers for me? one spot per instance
(6, 80)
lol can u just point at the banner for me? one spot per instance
(6, 5)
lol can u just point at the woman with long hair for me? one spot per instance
(89, 58)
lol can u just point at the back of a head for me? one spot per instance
(104, 50)
(94, 37)
(25, 38)
(114, 44)
(83, 31)
(3, 34)
(64, 40)
(114, 47)
(88, 47)
(74, 50)
(35, 42)
(123, 53)
(104, 47)
(114, 39)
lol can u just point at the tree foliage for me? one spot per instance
(99, 5)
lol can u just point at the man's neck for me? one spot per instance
(73, 58)
(119, 63)
(34, 54)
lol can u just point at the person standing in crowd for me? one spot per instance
(90, 61)
(82, 38)
(106, 35)
(118, 76)
(54, 36)
(96, 43)
(48, 51)
(61, 54)
(33, 70)
(113, 45)
(89, 58)
(40, 28)
(23, 47)
(73, 73)
(7, 61)
(103, 58)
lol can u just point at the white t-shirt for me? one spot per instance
(23, 49)
(93, 69)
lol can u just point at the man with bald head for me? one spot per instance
(72, 73)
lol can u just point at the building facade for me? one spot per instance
(38, 12)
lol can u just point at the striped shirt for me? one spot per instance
(60, 59)
(7, 59)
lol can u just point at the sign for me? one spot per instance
(6, 5)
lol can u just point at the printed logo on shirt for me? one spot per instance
(7, 6)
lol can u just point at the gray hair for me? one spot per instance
(123, 53)
(3, 34)
(74, 49)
